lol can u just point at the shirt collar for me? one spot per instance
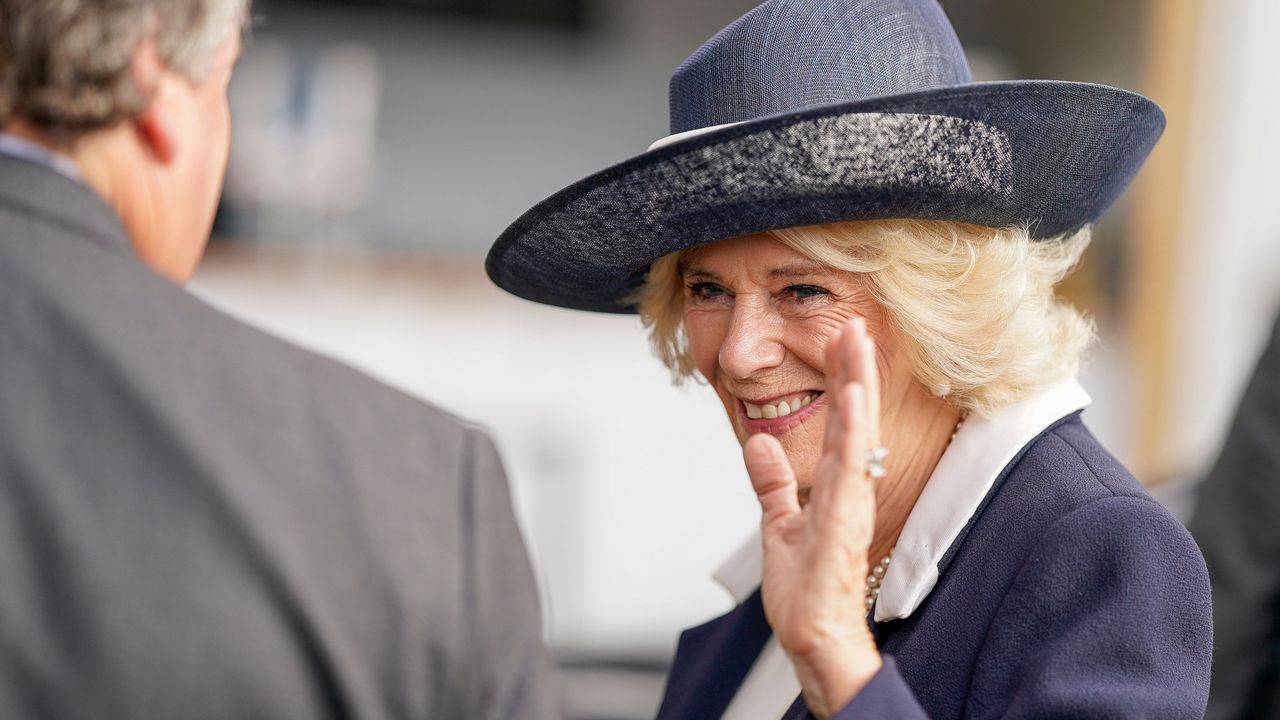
(964, 475)
(24, 149)
(741, 573)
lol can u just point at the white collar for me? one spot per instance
(24, 149)
(965, 473)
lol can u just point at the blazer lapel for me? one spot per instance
(712, 660)
(799, 710)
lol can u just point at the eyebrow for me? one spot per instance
(801, 269)
(793, 270)
(699, 274)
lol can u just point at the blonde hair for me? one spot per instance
(973, 308)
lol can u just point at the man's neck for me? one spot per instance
(105, 161)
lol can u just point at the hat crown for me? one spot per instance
(789, 55)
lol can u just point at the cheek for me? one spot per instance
(214, 153)
(217, 129)
(706, 332)
(808, 341)
(810, 338)
(803, 446)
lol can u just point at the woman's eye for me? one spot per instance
(805, 293)
(706, 291)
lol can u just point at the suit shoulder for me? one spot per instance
(123, 332)
(1105, 514)
(307, 376)
(1066, 487)
(364, 409)
(1068, 463)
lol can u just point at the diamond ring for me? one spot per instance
(875, 462)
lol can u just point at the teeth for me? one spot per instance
(782, 409)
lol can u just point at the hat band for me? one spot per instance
(853, 152)
(672, 139)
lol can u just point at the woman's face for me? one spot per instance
(759, 316)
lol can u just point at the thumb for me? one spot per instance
(772, 478)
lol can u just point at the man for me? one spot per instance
(197, 520)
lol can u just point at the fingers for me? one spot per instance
(772, 478)
(857, 441)
(866, 373)
(838, 379)
(854, 444)
(844, 468)
(851, 358)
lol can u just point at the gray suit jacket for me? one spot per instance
(200, 521)
(1237, 526)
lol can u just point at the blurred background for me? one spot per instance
(381, 146)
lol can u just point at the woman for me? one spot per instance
(856, 248)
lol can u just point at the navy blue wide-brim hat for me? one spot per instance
(813, 111)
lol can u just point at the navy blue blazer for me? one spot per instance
(1070, 594)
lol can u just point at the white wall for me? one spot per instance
(1230, 280)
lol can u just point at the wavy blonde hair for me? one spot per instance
(972, 307)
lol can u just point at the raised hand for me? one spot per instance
(815, 557)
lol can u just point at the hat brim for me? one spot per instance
(1048, 155)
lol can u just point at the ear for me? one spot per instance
(157, 133)
(153, 124)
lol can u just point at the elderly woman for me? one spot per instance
(856, 248)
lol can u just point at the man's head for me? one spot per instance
(134, 91)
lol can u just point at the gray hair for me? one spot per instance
(66, 65)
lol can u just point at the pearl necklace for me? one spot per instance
(871, 592)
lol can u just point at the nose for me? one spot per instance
(753, 342)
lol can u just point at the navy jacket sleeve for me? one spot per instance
(1108, 618)
(886, 696)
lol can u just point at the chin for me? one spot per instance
(803, 456)
(802, 446)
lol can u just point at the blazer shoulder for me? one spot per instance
(1067, 489)
(1108, 616)
(1068, 463)
(1065, 484)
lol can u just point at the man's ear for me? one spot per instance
(157, 133)
(153, 124)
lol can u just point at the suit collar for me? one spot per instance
(43, 194)
(740, 574)
(19, 147)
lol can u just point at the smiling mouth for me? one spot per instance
(781, 408)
